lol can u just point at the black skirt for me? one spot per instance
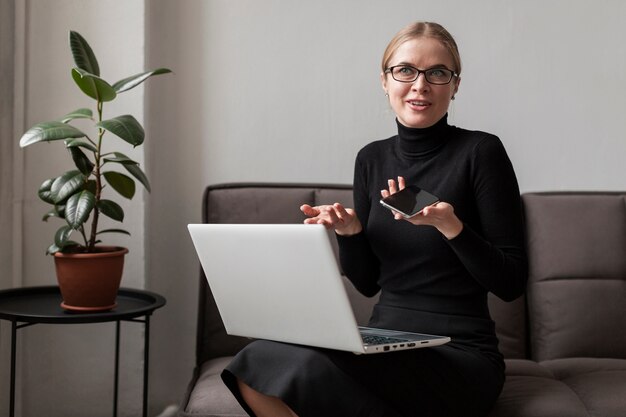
(455, 379)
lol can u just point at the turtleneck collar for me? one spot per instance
(416, 142)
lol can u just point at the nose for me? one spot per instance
(420, 83)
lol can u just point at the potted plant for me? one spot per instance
(80, 196)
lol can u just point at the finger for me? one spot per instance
(384, 193)
(308, 210)
(342, 213)
(329, 212)
(392, 186)
(401, 183)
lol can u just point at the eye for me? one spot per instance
(438, 73)
(405, 71)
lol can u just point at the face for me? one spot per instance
(420, 104)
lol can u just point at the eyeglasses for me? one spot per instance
(408, 74)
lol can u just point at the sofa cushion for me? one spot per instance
(600, 383)
(209, 397)
(525, 396)
(577, 274)
(563, 387)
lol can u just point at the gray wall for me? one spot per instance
(289, 91)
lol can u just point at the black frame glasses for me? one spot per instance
(437, 76)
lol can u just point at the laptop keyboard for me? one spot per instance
(380, 340)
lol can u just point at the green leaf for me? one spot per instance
(53, 213)
(131, 166)
(111, 209)
(60, 208)
(77, 114)
(125, 127)
(92, 85)
(52, 249)
(44, 191)
(113, 231)
(62, 236)
(92, 186)
(135, 80)
(66, 185)
(81, 161)
(78, 208)
(120, 158)
(83, 54)
(138, 173)
(70, 143)
(121, 183)
(62, 240)
(49, 131)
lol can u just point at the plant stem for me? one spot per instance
(98, 156)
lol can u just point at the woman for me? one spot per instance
(433, 270)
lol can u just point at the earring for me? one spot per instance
(452, 98)
(386, 94)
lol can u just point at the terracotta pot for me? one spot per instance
(89, 281)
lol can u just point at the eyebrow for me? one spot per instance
(408, 64)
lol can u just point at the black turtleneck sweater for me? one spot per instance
(439, 285)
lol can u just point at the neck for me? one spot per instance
(418, 142)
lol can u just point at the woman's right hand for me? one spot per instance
(335, 216)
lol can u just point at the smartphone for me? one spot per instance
(409, 201)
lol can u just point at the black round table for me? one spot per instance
(28, 306)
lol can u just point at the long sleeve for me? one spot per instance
(495, 257)
(357, 259)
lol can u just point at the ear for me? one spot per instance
(383, 81)
(456, 86)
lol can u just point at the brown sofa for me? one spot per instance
(564, 341)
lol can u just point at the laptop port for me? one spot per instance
(410, 344)
(386, 348)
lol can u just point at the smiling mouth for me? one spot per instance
(418, 103)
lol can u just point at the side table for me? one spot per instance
(28, 306)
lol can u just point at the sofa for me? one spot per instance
(564, 341)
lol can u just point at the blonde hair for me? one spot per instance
(423, 30)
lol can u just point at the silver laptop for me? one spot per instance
(282, 283)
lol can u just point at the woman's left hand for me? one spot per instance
(439, 215)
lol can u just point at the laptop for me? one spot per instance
(282, 282)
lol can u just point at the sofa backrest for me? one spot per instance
(279, 203)
(577, 274)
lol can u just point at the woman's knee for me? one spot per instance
(264, 405)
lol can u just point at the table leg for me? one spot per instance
(117, 367)
(13, 353)
(146, 358)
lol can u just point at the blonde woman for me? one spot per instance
(433, 270)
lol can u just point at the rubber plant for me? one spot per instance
(78, 195)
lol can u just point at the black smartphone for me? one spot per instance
(409, 201)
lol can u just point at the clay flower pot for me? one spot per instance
(89, 281)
